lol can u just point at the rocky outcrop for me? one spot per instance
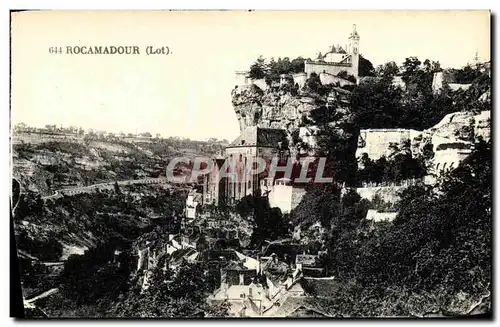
(457, 131)
(287, 108)
(272, 108)
(463, 126)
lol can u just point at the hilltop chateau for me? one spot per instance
(337, 59)
(332, 67)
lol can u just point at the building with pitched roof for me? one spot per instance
(253, 142)
(337, 59)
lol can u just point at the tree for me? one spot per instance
(376, 104)
(117, 188)
(365, 67)
(410, 66)
(298, 65)
(258, 69)
(173, 294)
(269, 223)
(313, 84)
(387, 71)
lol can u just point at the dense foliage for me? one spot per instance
(48, 232)
(401, 165)
(103, 282)
(434, 258)
(272, 70)
(269, 223)
(172, 294)
(380, 103)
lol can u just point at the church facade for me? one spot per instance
(253, 142)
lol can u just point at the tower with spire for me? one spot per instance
(354, 49)
(336, 60)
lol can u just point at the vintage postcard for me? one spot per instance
(276, 164)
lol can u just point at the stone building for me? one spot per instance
(193, 200)
(214, 185)
(282, 193)
(337, 59)
(253, 142)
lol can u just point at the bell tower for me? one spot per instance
(353, 50)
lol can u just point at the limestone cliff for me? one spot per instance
(463, 126)
(290, 109)
(270, 108)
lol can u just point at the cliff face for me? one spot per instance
(292, 110)
(272, 108)
(463, 126)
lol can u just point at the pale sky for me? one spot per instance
(188, 93)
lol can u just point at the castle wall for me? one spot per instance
(333, 69)
(327, 78)
(243, 79)
(446, 77)
(376, 142)
(377, 216)
(437, 81)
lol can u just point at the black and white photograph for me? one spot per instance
(222, 164)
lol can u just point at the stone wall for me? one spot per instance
(482, 125)
(285, 197)
(376, 142)
(456, 86)
(446, 78)
(331, 68)
(242, 78)
(327, 78)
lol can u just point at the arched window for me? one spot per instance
(444, 166)
(437, 166)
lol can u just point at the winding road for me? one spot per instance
(103, 186)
